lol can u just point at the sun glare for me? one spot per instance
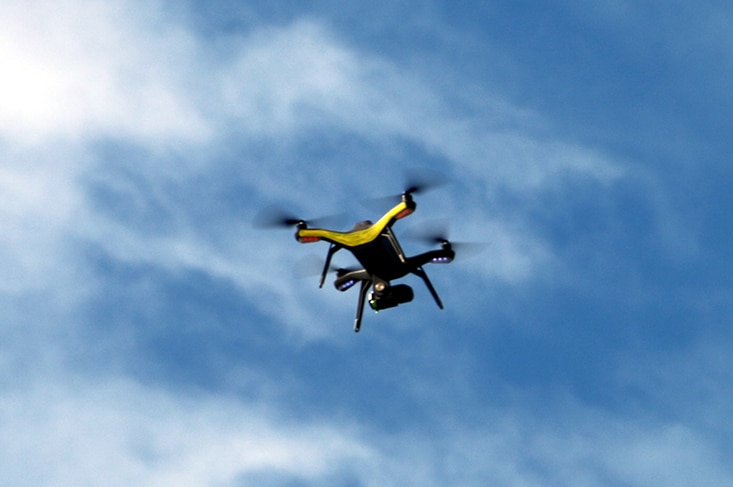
(30, 92)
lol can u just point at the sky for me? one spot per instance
(151, 336)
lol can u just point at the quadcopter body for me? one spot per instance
(376, 248)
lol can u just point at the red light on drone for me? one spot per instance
(308, 239)
(404, 213)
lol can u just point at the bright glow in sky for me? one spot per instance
(150, 336)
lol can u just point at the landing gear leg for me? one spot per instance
(424, 276)
(360, 305)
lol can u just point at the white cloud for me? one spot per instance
(127, 71)
(575, 447)
(288, 80)
(119, 433)
(64, 430)
(78, 69)
(38, 201)
(283, 79)
(76, 72)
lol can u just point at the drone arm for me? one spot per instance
(440, 256)
(360, 305)
(424, 276)
(358, 237)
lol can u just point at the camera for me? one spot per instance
(385, 296)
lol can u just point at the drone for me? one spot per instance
(375, 247)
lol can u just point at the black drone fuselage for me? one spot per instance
(382, 259)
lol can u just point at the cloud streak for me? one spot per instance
(276, 83)
(134, 151)
(118, 433)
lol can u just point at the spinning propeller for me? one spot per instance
(437, 233)
(415, 182)
(312, 265)
(276, 217)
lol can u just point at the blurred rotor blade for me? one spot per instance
(416, 181)
(430, 232)
(422, 180)
(437, 233)
(274, 216)
(468, 249)
(312, 265)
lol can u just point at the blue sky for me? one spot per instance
(150, 336)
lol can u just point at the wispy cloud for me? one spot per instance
(75, 69)
(126, 133)
(280, 84)
(189, 106)
(118, 433)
